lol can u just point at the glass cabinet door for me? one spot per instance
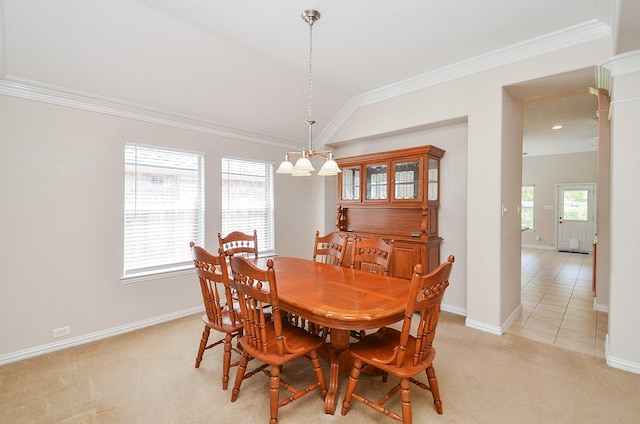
(406, 180)
(432, 176)
(350, 183)
(376, 182)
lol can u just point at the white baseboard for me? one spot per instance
(453, 309)
(514, 315)
(483, 327)
(99, 335)
(620, 364)
(600, 307)
(499, 331)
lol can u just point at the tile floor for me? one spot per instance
(557, 302)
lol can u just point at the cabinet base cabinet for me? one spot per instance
(405, 256)
(407, 253)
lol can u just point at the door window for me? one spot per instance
(575, 205)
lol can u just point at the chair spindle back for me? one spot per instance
(425, 296)
(239, 243)
(256, 291)
(330, 249)
(373, 255)
(214, 284)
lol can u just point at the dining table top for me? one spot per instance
(336, 296)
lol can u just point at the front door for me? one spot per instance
(575, 217)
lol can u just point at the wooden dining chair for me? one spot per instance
(372, 254)
(220, 314)
(271, 341)
(401, 353)
(239, 243)
(330, 248)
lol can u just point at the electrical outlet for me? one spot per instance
(62, 331)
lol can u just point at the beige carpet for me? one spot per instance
(148, 376)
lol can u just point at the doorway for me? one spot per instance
(556, 287)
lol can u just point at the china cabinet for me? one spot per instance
(393, 195)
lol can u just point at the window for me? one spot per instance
(163, 209)
(575, 204)
(527, 206)
(247, 200)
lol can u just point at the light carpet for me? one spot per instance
(148, 376)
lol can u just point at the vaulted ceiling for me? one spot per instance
(242, 66)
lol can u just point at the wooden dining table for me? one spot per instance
(341, 299)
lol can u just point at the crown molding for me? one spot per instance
(17, 87)
(607, 71)
(603, 78)
(607, 11)
(31, 90)
(571, 36)
(623, 64)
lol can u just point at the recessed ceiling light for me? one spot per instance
(556, 127)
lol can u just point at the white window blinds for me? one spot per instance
(247, 200)
(163, 209)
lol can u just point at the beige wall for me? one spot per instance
(512, 130)
(453, 188)
(603, 220)
(493, 149)
(61, 184)
(61, 203)
(492, 278)
(624, 313)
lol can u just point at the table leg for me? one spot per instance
(340, 361)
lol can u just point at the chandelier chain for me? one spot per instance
(310, 100)
(310, 67)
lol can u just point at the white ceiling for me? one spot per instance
(363, 45)
(244, 64)
(563, 100)
(575, 111)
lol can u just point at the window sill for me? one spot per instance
(137, 278)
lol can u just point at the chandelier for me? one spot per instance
(303, 166)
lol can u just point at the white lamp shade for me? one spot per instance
(303, 164)
(329, 167)
(285, 167)
(300, 173)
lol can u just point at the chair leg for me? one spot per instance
(317, 368)
(274, 393)
(351, 385)
(226, 360)
(433, 384)
(203, 345)
(242, 368)
(405, 396)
